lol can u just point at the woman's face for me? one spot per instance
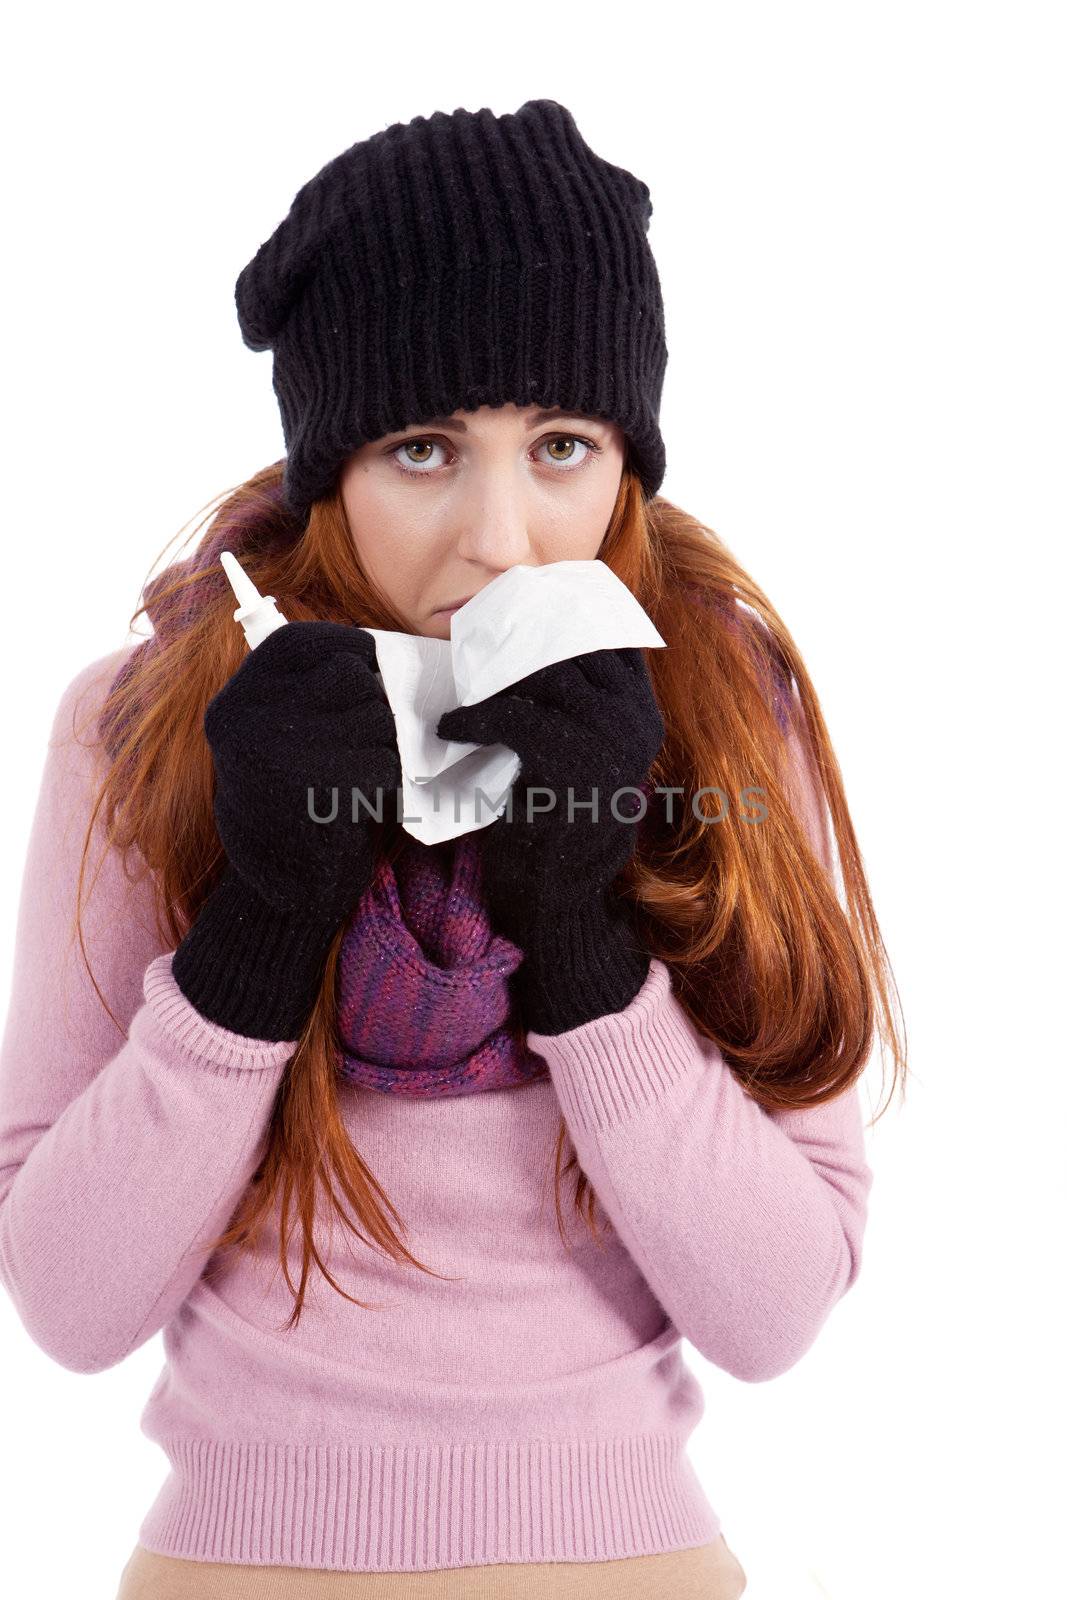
(438, 511)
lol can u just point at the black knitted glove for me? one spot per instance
(303, 711)
(590, 724)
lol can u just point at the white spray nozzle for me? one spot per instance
(256, 612)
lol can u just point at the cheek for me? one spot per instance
(575, 532)
(378, 531)
(577, 521)
(402, 563)
(394, 564)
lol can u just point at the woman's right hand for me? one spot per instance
(303, 712)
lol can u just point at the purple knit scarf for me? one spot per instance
(423, 1006)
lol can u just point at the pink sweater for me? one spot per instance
(536, 1407)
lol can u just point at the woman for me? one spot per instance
(656, 1018)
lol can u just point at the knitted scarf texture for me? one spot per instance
(423, 1003)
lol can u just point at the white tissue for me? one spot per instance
(526, 618)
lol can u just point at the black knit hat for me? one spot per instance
(452, 262)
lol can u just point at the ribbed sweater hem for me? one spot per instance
(416, 1508)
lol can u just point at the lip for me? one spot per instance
(444, 611)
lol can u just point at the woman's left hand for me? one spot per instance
(587, 731)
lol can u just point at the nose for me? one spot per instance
(495, 528)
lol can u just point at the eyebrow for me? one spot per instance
(461, 427)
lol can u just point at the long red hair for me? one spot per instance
(786, 974)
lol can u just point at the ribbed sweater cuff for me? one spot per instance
(581, 960)
(613, 1068)
(206, 1042)
(249, 967)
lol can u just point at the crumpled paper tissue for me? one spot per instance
(527, 618)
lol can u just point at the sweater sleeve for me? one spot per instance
(123, 1150)
(747, 1224)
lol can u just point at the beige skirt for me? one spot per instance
(710, 1572)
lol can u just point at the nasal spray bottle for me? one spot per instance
(257, 613)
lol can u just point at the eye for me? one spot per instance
(568, 441)
(421, 464)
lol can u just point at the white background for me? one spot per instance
(859, 226)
